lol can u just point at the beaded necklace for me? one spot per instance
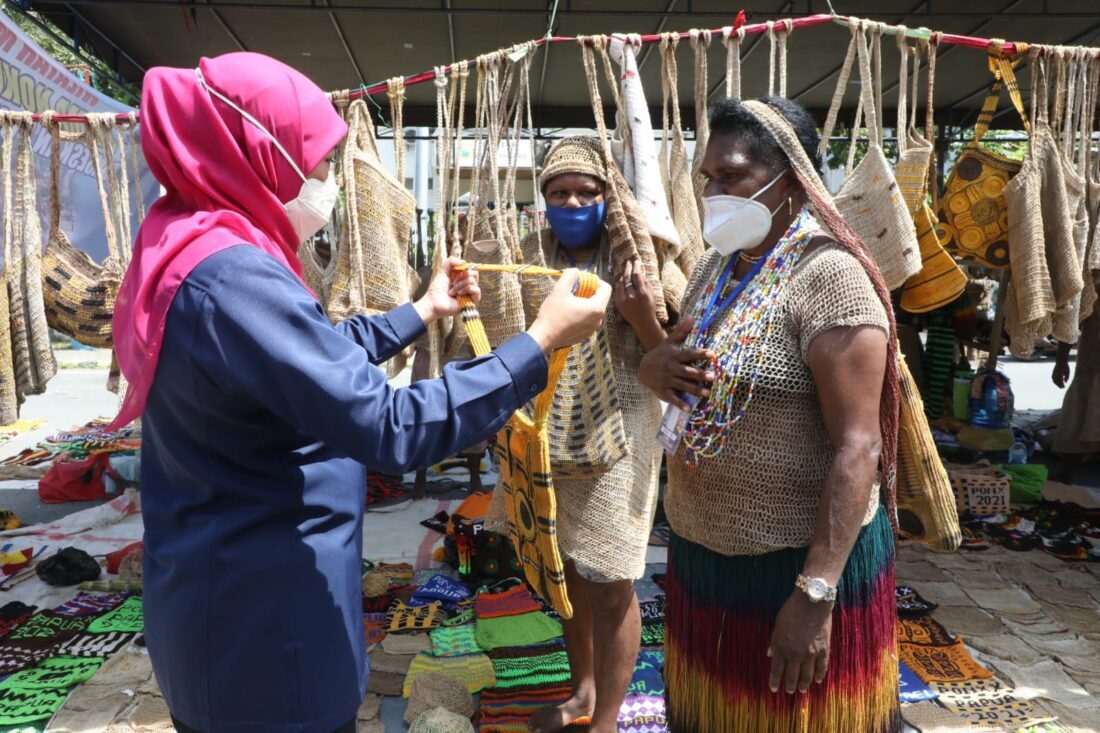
(744, 320)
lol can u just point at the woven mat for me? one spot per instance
(1047, 680)
(1040, 624)
(369, 709)
(945, 593)
(914, 572)
(1060, 596)
(390, 663)
(404, 644)
(1075, 579)
(1025, 573)
(385, 683)
(928, 717)
(968, 622)
(1005, 646)
(959, 560)
(977, 579)
(1077, 619)
(1013, 601)
(1072, 720)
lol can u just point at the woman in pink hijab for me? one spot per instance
(260, 417)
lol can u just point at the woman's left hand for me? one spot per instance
(441, 300)
(799, 647)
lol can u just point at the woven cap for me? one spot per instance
(375, 584)
(433, 690)
(574, 155)
(440, 720)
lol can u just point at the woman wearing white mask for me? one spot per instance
(780, 606)
(259, 416)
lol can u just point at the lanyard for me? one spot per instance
(572, 260)
(713, 308)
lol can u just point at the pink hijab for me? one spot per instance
(225, 184)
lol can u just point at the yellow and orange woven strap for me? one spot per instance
(1004, 74)
(587, 286)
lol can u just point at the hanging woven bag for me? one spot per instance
(940, 280)
(869, 199)
(973, 212)
(32, 353)
(924, 488)
(372, 273)
(525, 469)
(79, 295)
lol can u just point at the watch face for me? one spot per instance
(817, 589)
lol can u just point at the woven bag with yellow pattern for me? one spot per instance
(973, 212)
(525, 471)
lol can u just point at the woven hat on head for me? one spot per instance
(434, 691)
(577, 154)
(440, 720)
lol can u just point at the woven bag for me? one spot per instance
(1041, 239)
(676, 168)
(940, 280)
(869, 199)
(32, 354)
(78, 294)
(587, 430)
(924, 488)
(372, 272)
(9, 405)
(973, 212)
(526, 473)
(316, 273)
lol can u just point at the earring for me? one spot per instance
(790, 205)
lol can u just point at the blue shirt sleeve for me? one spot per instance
(383, 336)
(269, 340)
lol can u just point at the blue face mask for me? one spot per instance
(576, 226)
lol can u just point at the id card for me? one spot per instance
(671, 431)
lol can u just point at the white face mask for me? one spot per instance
(735, 223)
(311, 210)
(313, 207)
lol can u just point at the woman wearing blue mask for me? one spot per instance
(605, 461)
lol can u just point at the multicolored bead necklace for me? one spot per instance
(732, 334)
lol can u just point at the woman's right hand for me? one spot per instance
(565, 319)
(668, 372)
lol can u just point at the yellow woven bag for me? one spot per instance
(525, 471)
(973, 212)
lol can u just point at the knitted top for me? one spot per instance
(761, 493)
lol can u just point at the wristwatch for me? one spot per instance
(816, 588)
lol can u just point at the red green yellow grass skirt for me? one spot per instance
(720, 613)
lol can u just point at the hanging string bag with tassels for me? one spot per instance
(526, 476)
(32, 355)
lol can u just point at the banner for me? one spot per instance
(30, 79)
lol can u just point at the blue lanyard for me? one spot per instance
(573, 261)
(713, 308)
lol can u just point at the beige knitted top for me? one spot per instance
(761, 493)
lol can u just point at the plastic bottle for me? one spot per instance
(1018, 454)
(960, 404)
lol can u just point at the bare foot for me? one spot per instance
(556, 717)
